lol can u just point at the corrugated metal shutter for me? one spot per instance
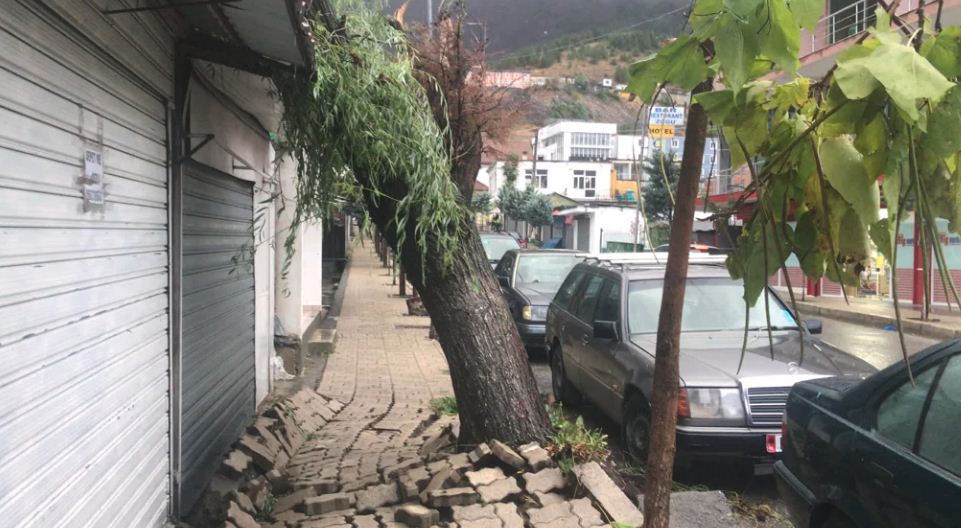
(83, 295)
(218, 321)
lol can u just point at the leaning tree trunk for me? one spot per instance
(660, 458)
(496, 393)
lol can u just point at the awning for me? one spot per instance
(274, 29)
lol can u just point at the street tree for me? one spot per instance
(390, 115)
(662, 170)
(528, 206)
(886, 120)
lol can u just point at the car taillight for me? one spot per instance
(683, 404)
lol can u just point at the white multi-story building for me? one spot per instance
(577, 141)
(578, 180)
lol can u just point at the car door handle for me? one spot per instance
(881, 473)
(585, 339)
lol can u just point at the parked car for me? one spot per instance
(529, 280)
(517, 236)
(496, 244)
(602, 330)
(882, 452)
(694, 248)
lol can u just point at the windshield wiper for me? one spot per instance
(773, 328)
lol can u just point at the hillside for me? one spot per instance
(515, 24)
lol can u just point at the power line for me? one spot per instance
(621, 31)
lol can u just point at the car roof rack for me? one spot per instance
(648, 260)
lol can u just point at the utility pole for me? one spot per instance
(430, 14)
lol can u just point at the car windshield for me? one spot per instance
(496, 246)
(710, 304)
(544, 272)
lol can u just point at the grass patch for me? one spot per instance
(267, 512)
(444, 406)
(573, 442)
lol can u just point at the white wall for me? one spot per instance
(560, 177)
(614, 224)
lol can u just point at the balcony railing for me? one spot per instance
(846, 23)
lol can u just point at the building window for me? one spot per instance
(589, 139)
(586, 180)
(623, 171)
(540, 182)
(585, 153)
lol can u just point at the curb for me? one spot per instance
(910, 326)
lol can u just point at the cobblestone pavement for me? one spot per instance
(366, 451)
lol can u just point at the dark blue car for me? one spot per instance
(883, 452)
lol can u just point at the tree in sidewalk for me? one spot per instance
(891, 106)
(661, 187)
(528, 206)
(394, 118)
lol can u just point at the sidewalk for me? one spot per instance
(366, 451)
(941, 324)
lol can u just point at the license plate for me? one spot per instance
(773, 443)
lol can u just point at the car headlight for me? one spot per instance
(527, 313)
(710, 404)
(540, 313)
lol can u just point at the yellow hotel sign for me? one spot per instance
(661, 131)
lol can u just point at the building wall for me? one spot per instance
(560, 178)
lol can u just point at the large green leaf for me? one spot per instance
(681, 63)
(906, 76)
(808, 12)
(718, 104)
(845, 171)
(783, 39)
(871, 142)
(743, 9)
(944, 51)
(736, 47)
(943, 138)
(882, 235)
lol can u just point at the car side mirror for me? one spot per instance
(814, 326)
(605, 329)
(504, 281)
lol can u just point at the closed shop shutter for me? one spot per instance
(218, 321)
(83, 291)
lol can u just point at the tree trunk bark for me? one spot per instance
(660, 458)
(497, 396)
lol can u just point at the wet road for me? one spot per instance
(877, 346)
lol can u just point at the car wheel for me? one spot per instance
(637, 428)
(837, 520)
(564, 392)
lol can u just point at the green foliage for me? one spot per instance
(818, 150)
(572, 442)
(362, 127)
(481, 203)
(444, 406)
(570, 109)
(267, 512)
(662, 169)
(528, 205)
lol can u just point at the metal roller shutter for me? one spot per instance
(83, 293)
(218, 321)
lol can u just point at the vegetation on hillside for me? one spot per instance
(591, 47)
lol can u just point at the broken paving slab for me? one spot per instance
(700, 509)
(608, 495)
(417, 516)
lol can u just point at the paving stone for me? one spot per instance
(588, 515)
(258, 489)
(269, 440)
(330, 502)
(239, 517)
(262, 457)
(499, 490)
(446, 498)
(506, 455)
(473, 512)
(435, 442)
(545, 480)
(279, 481)
(391, 471)
(361, 482)
(243, 501)
(336, 521)
(365, 521)
(484, 476)
(417, 516)
(407, 487)
(507, 512)
(459, 461)
(437, 465)
(290, 517)
(536, 456)
(550, 513)
(369, 499)
(607, 494)
(289, 502)
(546, 499)
(235, 464)
(481, 455)
(445, 477)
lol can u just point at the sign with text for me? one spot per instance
(667, 115)
(661, 131)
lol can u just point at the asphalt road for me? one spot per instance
(875, 345)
